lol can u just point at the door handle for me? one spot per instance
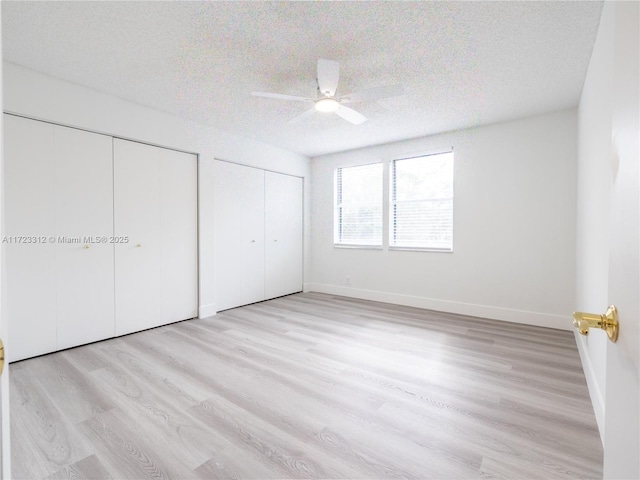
(1, 357)
(607, 322)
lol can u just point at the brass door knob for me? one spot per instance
(607, 322)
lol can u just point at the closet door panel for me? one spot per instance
(179, 233)
(84, 223)
(29, 227)
(251, 199)
(137, 217)
(239, 234)
(283, 234)
(227, 228)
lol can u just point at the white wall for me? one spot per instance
(514, 227)
(593, 205)
(40, 96)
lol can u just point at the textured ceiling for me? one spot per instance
(461, 63)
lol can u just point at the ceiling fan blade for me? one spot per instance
(328, 76)
(280, 96)
(375, 93)
(350, 115)
(302, 116)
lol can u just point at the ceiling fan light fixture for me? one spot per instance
(327, 105)
(328, 102)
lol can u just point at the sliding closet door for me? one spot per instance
(78, 204)
(29, 228)
(155, 217)
(239, 234)
(179, 234)
(283, 234)
(137, 222)
(84, 226)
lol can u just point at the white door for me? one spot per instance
(155, 217)
(84, 218)
(622, 424)
(59, 194)
(179, 234)
(239, 234)
(283, 234)
(5, 437)
(251, 241)
(30, 230)
(136, 176)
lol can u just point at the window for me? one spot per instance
(421, 194)
(358, 205)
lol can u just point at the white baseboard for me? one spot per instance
(207, 310)
(597, 399)
(485, 311)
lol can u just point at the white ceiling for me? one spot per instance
(461, 63)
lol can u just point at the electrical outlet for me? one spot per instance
(347, 281)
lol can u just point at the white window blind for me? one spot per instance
(358, 205)
(422, 202)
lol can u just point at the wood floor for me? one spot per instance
(310, 386)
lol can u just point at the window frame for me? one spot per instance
(392, 203)
(338, 212)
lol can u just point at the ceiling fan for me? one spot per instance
(328, 101)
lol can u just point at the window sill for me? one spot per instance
(357, 247)
(421, 249)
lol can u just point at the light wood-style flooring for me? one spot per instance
(310, 386)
